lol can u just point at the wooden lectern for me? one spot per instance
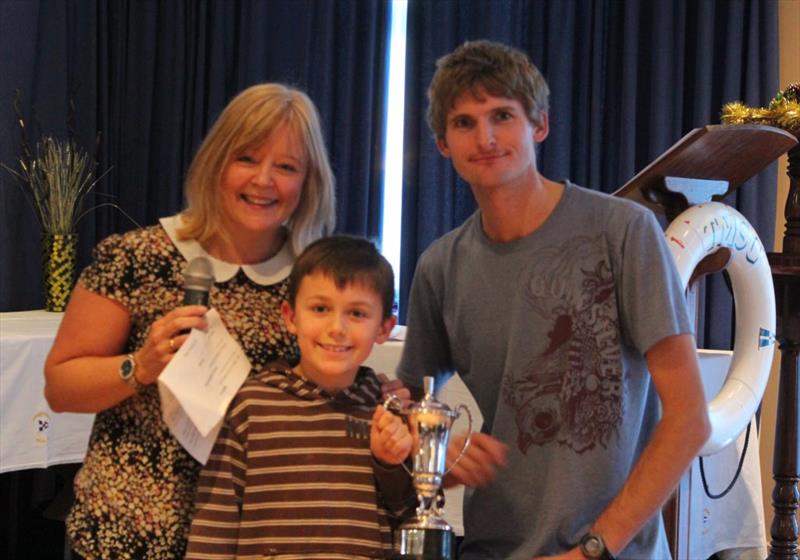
(718, 154)
(786, 276)
(707, 164)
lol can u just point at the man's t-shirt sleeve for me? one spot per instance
(427, 346)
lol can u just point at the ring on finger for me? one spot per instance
(172, 344)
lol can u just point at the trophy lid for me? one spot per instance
(429, 404)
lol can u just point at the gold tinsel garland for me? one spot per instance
(783, 111)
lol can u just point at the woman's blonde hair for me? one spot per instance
(246, 123)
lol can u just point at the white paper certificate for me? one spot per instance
(199, 383)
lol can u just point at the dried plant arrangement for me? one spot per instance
(57, 179)
(55, 176)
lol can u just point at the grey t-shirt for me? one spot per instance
(549, 334)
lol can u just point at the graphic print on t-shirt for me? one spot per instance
(569, 392)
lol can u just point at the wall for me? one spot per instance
(789, 18)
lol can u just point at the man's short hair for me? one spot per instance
(346, 259)
(481, 67)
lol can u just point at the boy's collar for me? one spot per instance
(297, 372)
(365, 389)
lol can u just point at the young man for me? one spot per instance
(307, 464)
(561, 310)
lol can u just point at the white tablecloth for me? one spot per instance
(32, 435)
(735, 521)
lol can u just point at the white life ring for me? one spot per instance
(700, 231)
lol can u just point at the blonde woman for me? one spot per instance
(259, 190)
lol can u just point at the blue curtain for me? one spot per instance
(627, 79)
(152, 77)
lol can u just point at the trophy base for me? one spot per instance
(425, 544)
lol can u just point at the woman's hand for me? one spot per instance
(82, 369)
(166, 335)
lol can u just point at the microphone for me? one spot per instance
(198, 277)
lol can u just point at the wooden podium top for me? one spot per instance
(722, 152)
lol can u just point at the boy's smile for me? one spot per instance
(335, 329)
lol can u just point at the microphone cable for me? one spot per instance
(735, 476)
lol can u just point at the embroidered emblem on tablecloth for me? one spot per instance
(41, 425)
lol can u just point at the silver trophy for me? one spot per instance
(427, 536)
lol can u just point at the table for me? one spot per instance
(31, 434)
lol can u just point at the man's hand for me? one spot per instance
(389, 438)
(394, 387)
(478, 466)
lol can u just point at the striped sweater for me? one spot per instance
(291, 476)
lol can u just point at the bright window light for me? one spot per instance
(393, 158)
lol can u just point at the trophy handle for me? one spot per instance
(394, 404)
(466, 441)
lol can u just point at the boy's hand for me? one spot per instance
(389, 438)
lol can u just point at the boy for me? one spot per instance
(297, 470)
(561, 310)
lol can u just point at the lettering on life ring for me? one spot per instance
(696, 233)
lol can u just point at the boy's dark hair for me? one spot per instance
(484, 66)
(345, 259)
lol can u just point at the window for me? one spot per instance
(393, 157)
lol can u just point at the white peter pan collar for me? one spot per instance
(270, 271)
